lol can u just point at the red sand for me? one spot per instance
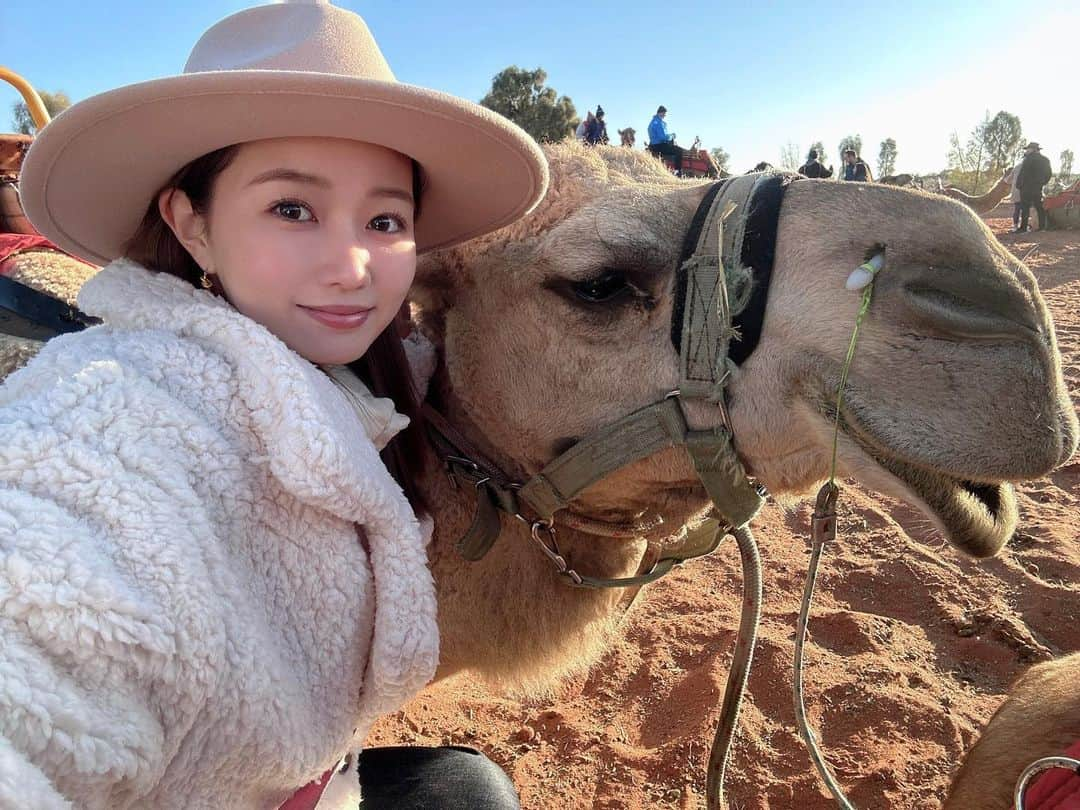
(913, 648)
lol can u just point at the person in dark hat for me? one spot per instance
(814, 167)
(662, 142)
(1035, 172)
(597, 129)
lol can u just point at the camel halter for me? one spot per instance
(702, 330)
(713, 259)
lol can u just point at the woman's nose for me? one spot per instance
(355, 267)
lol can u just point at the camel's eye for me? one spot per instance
(608, 286)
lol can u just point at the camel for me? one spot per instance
(559, 324)
(627, 137)
(983, 203)
(897, 180)
(1041, 718)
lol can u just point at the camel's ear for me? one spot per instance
(439, 275)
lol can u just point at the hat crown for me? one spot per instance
(312, 36)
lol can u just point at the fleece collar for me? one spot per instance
(314, 448)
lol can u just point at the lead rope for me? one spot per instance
(740, 667)
(824, 530)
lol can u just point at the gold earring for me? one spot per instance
(205, 281)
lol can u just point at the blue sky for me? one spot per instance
(750, 77)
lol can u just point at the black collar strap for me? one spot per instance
(758, 254)
(750, 235)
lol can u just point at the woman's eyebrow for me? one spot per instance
(396, 193)
(291, 175)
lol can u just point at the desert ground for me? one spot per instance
(912, 649)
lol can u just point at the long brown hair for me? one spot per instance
(384, 367)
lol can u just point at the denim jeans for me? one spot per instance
(449, 778)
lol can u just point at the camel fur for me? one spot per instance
(1040, 718)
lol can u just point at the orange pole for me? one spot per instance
(33, 101)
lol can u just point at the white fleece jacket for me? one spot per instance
(187, 616)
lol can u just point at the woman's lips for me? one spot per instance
(339, 317)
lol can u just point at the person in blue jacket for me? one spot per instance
(662, 142)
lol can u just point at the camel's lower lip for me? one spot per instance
(978, 518)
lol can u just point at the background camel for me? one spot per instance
(897, 180)
(984, 202)
(555, 326)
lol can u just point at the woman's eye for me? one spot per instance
(606, 287)
(387, 223)
(294, 211)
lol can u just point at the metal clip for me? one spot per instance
(553, 553)
(824, 521)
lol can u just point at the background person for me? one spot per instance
(855, 168)
(1035, 172)
(814, 167)
(662, 142)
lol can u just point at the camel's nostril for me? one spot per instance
(990, 314)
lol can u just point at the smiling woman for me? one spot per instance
(194, 517)
(311, 237)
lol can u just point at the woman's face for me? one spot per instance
(311, 237)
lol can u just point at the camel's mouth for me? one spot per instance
(978, 518)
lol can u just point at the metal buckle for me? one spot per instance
(468, 464)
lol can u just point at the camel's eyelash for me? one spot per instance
(605, 289)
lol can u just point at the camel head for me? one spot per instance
(559, 325)
(627, 136)
(13, 149)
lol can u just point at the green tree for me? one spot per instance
(851, 142)
(1002, 139)
(55, 103)
(521, 96)
(1066, 166)
(967, 162)
(722, 158)
(886, 162)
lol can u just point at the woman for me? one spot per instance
(210, 584)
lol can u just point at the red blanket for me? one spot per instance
(1057, 789)
(12, 244)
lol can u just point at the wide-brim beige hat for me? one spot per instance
(282, 70)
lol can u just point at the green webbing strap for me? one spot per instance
(697, 542)
(486, 525)
(633, 437)
(736, 500)
(706, 313)
(706, 327)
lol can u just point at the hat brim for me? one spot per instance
(91, 173)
